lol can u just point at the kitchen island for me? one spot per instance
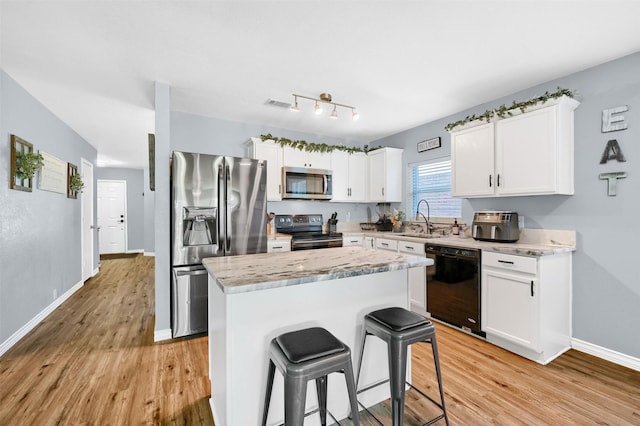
(254, 298)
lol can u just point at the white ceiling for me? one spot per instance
(401, 63)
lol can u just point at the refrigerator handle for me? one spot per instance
(227, 232)
(220, 207)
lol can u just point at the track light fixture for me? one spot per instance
(325, 98)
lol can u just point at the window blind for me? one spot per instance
(431, 181)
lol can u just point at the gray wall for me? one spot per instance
(40, 245)
(149, 216)
(606, 288)
(135, 202)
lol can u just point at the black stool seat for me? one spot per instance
(399, 328)
(398, 319)
(304, 345)
(303, 355)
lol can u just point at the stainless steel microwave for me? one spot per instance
(306, 184)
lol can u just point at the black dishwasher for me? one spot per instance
(453, 286)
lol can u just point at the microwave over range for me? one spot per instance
(306, 184)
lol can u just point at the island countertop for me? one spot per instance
(239, 274)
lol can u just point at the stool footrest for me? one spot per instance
(436, 403)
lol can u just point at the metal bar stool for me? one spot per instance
(400, 328)
(305, 355)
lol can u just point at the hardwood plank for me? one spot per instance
(93, 362)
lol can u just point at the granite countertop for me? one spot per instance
(239, 274)
(531, 242)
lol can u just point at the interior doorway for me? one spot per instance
(86, 201)
(112, 214)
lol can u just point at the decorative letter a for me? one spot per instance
(612, 152)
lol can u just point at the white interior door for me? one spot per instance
(112, 212)
(86, 200)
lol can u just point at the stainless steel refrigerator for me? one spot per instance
(218, 208)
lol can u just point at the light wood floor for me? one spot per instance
(93, 362)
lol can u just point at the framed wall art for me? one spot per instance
(429, 144)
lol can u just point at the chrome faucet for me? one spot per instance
(427, 219)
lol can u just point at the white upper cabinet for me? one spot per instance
(472, 162)
(272, 153)
(294, 157)
(385, 175)
(527, 154)
(349, 176)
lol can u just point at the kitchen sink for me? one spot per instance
(424, 236)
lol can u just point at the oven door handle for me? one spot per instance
(316, 241)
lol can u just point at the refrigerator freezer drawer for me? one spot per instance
(189, 295)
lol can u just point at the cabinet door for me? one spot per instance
(526, 157)
(472, 162)
(340, 176)
(293, 157)
(273, 155)
(319, 160)
(358, 172)
(385, 175)
(417, 277)
(377, 171)
(369, 242)
(510, 307)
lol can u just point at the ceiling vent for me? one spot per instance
(279, 104)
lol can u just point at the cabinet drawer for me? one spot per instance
(524, 264)
(351, 241)
(278, 245)
(411, 247)
(385, 244)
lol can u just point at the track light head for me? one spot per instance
(318, 108)
(334, 113)
(354, 114)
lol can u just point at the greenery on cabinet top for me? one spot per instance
(504, 111)
(315, 147)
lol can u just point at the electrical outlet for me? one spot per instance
(55, 293)
(521, 222)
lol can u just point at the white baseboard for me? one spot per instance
(606, 354)
(95, 271)
(135, 251)
(20, 333)
(149, 253)
(159, 335)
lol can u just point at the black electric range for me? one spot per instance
(306, 231)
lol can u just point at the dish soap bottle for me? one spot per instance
(455, 228)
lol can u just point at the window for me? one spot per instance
(431, 181)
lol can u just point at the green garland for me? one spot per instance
(503, 111)
(315, 147)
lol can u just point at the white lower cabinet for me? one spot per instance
(369, 242)
(352, 241)
(417, 277)
(274, 246)
(526, 303)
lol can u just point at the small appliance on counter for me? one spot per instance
(496, 226)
